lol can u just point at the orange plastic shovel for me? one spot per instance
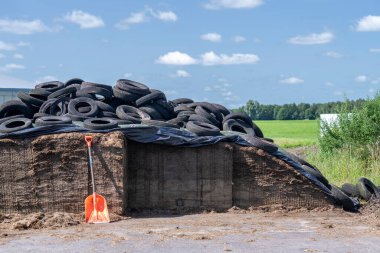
(96, 210)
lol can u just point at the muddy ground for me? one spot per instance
(237, 230)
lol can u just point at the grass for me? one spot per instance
(339, 168)
(291, 133)
(343, 167)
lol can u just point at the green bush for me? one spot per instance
(356, 131)
(350, 148)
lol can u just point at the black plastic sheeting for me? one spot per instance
(165, 136)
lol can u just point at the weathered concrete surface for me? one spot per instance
(167, 177)
(212, 232)
(50, 173)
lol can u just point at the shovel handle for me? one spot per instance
(88, 140)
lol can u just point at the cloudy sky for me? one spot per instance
(225, 51)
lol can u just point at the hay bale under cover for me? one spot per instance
(50, 173)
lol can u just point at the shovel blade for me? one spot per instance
(99, 212)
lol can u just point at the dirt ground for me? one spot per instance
(236, 230)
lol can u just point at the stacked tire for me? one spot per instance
(127, 102)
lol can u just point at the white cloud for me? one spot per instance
(210, 58)
(368, 24)
(176, 58)
(312, 39)
(207, 88)
(2, 56)
(47, 78)
(333, 54)
(375, 81)
(127, 75)
(182, 73)
(213, 37)
(292, 80)
(11, 66)
(23, 44)
(328, 83)
(371, 90)
(11, 82)
(84, 19)
(23, 27)
(6, 46)
(167, 16)
(232, 4)
(239, 39)
(18, 56)
(361, 79)
(134, 18)
(374, 50)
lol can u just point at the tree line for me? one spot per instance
(294, 111)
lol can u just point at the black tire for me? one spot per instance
(39, 115)
(133, 87)
(261, 144)
(105, 107)
(65, 92)
(15, 107)
(125, 96)
(77, 117)
(163, 111)
(181, 122)
(316, 174)
(185, 114)
(104, 114)
(268, 139)
(74, 104)
(159, 123)
(200, 110)
(202, 129)
(238, 126)
(199, 118)
(50, 86)
(342, 199)
(73, 81)
(104, 94)
(29, 99)
(99, 85)
(100, 123)
(55, 106)
(52, 120)
(211, 109)
(131, 113)
(180, 101)
(181, 108)
(11, 117)
(120, 121)
(168, 107)
(350, 189)
(14, 125)
(223, 110)
(41, 94)
(257, 130)
(367, 189)
(84, 109)
(153, 113)
(150, 98)
(239, 115)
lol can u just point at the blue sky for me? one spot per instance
(225, 51)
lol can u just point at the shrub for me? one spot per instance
(356, 131)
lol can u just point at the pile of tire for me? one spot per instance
(364, 189)
(101, 106)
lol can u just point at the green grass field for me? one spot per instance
(291, 133)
